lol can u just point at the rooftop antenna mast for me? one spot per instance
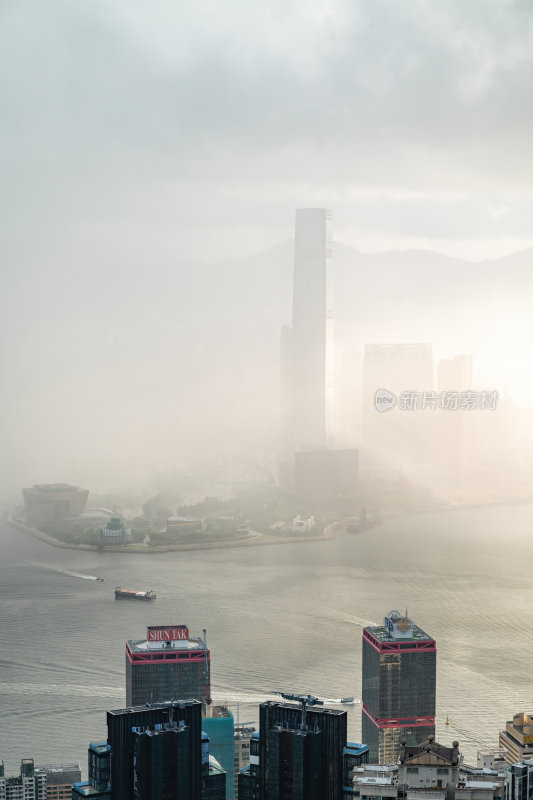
(304, 700)
(207, 672)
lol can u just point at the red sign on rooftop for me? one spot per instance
(167, 633)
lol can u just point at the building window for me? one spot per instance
(442, 771)
(412, 770)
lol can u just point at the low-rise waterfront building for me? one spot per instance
(50, 503)
(115, 532)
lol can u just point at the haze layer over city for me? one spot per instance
(153, 163)
(266, 280)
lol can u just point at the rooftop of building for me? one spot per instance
(376, 774)
(307, 731)
(479, 770)
(174, 704)
(54, 487)
(144, 646)
(377, 768)
(398, 628)
(481, 785)
(244, 733)
(376, 780)
(214, 767)
(382, 634)
(356, 748)
(86, 790)
(160, 728)
(67, 766)
(99, 747)
(336, 712)
(449, 755)
(215, 712)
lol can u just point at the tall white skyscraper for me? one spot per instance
(308, 348)
(397, 441)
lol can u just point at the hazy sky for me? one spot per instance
(138, 140)
(197, 128)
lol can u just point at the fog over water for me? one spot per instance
(288, 617)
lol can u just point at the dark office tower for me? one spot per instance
(297, 756)
(399, 674)
(167, 665)
(295, 768)
(161, 762)
(147, 744)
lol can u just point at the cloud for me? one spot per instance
(415, 95)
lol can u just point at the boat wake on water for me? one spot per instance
(346, 701)
(80, 575)
(69, 572)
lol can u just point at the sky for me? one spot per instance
(198, 128)
(142, 141)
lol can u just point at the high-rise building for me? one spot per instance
(60, 779)
(308, 348)
(249, 776)
(213, 780)
(241, 751)
(29, 785)
(298, 754)
(355, 755)
(399, 687)
(98, 787)
(517, 738)
(183, 721)
(397, 439)
(154, 752)
(168, 665)
(219, 726)
(519, 780)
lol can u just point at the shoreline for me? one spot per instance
(329, 533)
(327, 536)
